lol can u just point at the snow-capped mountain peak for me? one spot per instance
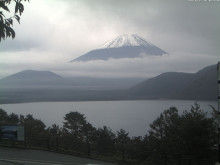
(127, 40)
(124, 46)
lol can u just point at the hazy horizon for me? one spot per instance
(69, 76)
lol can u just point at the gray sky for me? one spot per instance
(53, 32)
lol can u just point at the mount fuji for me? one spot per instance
(124, 46)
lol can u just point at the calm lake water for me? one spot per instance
(133, 116)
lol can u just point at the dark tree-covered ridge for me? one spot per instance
(173, 138)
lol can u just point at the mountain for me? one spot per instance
(204, 85)
(124, 46)
(28, 78)
(48, 86)
(46, 79)
(175, 85)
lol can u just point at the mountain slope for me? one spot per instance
(47, 79)
(124, 46)
(174, 85)
(204, 85)
(32, 78)
(128, 40)
(171, 85)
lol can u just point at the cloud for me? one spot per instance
(148, 66)
(175, 25)
(54, 32)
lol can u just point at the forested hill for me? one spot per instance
(201, 85)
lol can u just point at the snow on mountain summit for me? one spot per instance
(124, 46)
(127, 40)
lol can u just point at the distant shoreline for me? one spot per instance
(46, 101)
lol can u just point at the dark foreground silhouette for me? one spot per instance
(173, 138)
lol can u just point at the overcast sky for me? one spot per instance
(53, 32)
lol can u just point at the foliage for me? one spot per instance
(191, 133)
(11, 119)
(122, 141)
(3, 116)
(74, 123)
(105, 141)
(79, 129)
(173, 137)
(6, 23)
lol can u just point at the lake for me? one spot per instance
(133, 116)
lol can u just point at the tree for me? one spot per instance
(89, 136)
(13, 119)
(105, 141)
(54, 130)
(137, 149)
(3, 116)
(190, 133)
(34, 130)
(54, 136)
(6, 23)
(165, 130)
(197, 132)
(122, 141)
(82, 131)
(74, 123)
